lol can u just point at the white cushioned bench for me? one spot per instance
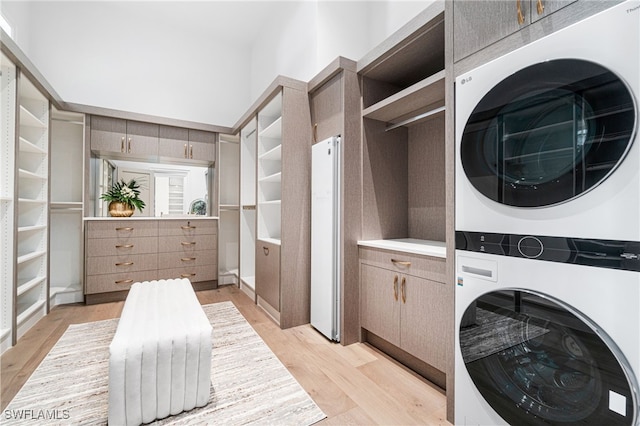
(160, 356)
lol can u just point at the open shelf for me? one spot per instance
(274, 178)
(28, 119)
(26, 146)
(26, 285)
(25, 174)
(274, 154)
(273, 130)
(30, 256)
(409, 245)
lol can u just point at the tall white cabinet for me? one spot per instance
(7, 198)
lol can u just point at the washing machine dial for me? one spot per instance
(530, 247)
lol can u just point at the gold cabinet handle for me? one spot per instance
(187, 259)
(395, 287)
(123, 281)
(188, 275)
(122, 144)
(540, 7)
(403, 287)
(185, 150)
(400, 262)
(315, 132)
(124, 245)
(191, 151)
(124, 264)
(188, 227)
(129, 146)
(188, 243)
(520, 15)
(265, 250)
(127, 228)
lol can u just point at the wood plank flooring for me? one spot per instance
(353, 385)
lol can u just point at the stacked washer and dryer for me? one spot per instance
(548, 229)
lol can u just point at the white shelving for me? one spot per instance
(7, 197)
(270, 170)
(66, 208)
(247, 241)
(228, 206)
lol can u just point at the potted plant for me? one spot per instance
(123, 198)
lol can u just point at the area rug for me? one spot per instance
(249, 384)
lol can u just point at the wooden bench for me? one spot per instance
(160, 356)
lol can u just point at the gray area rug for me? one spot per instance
(249, 384)
(494, 333)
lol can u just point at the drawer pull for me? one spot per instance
(188, 243)
(124, 281)
(124, 264)
(188, 227)
(395, 287)
(188, 275)
(185, 150)
(403, 286)
(188, 259)
(127, 228)
(400, 262)
(265, 250)
(540, 7)
(124, 245)
(520, 15)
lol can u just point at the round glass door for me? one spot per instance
(548, 133)
(537, 362)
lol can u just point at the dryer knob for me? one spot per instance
(530, 247)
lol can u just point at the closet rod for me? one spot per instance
(67, 121)
(250, 133)
(414, 119)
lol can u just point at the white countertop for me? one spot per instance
(134, 217)
(409, 245)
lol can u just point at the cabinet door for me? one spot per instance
(477, 24)
(268, 273)
(142, 139)
(108, 134)
(326, 109)
(379, 308)
(173, 142)
(424, 322)
(542, 8)
(202, 146)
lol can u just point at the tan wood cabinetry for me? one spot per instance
(187, 146)
(124, 138)
(268, 269)
(119, 253)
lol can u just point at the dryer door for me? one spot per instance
(548, 133)
(536, 361)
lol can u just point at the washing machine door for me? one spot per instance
(535, 361)
(548, 133)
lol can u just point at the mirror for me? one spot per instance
(166, 189)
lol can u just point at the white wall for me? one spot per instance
(141, 57)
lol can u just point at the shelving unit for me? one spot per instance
(32, 213)
(247, 176)
(7, 201)
(66, 207)
(229, 213)
(270, 170)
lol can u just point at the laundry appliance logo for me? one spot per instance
(36, 414)
(633, 9)
(466, 80)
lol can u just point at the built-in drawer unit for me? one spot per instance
(119, 252)
(432, 268)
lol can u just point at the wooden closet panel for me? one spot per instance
(326, 109)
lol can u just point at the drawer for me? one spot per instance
(187, 244)
(194, 273)
(121, 228)
(187, 227)
(124, 263)
(120, 246)
(197, 258)
(432, 268)
(116, 282)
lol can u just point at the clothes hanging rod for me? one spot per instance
(414, 119)
(250, 133)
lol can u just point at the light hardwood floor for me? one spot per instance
(353, 385)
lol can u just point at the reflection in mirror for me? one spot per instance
(166, 189)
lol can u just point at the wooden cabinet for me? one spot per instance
(186, 145)
(402, 303)
(120, 252)
(268, 269)
(478, 24)
(124, 138)
(326, 109)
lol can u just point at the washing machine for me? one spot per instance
(544, 343)
(547, 135)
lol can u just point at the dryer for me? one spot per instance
(547, 135)
(542, 343)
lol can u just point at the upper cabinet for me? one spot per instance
(186, 145)
(478, 24)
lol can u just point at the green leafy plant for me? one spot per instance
(125, 192)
